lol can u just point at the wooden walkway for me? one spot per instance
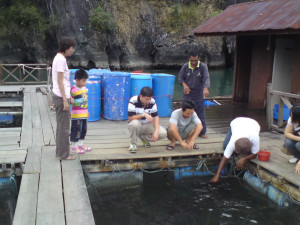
(54, 192)
(51, 191)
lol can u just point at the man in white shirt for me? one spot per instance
(184, 126)
(242, 138)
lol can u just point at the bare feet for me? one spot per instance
(203, 136)
(70, 157)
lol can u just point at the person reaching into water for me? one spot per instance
(243, 139)
(184, 126)
(292, 136)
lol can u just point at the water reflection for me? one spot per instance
(221, 82)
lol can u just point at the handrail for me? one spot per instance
(24, 73)
(284, 98)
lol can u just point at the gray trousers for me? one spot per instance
(144, 130)
(62, 127)
(185, 132)
(293, 147)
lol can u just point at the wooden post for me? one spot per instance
(0, 74)
(280, 113)
(269, 107)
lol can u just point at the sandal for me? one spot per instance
(170, 147)
(70, 157)
(195, 147)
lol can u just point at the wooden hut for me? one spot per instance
(267, 50)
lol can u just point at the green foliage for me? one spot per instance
(100, 20)
(184, 18)
(216, 13)
(22, 20)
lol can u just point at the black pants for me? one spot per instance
(78, 129)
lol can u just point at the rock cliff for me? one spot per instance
(139, 39)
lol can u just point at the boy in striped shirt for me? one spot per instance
(79, 113)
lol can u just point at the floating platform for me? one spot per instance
(51, 189)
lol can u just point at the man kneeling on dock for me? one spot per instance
(184, 126)
(243, 139)
(144, 120)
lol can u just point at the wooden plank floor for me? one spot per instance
(57, 187)
(52, 191)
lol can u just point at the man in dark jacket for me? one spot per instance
(194, 78)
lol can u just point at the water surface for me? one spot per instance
(190, 202)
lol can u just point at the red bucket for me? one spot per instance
(264, 155)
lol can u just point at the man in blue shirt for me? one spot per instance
(194, 78)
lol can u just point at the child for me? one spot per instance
(79, 113)
(292, 135)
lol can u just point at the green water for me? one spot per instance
(221, 82)
(190, 202)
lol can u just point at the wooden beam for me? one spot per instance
(285, 94)
(11, 104)
(50, 208)
(33, 160)
(78, 208)
(26, 135)
(286, 101)
(25, 213)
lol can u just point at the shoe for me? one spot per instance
(170, 147)
(77, 150)
(196, 147)
(132, 148)
(293, 160)
(145, 143)
(85, 148)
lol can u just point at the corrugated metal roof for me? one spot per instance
(269, 15)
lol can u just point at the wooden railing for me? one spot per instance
(284, 98)
(24, 74)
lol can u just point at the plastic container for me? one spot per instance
(116, 95)
(277, 196)
(93, 85)
(138, 82)
(264, 155)
(99, 71)
(72, 76)
(286, 112)
(163, 89)
(256, 183)
(6, 119)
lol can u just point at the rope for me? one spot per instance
(158, 96)
(34, 68)
(293, 200)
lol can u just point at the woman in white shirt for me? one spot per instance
(61, 97)
(292, 135)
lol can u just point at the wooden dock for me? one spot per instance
(54, 192)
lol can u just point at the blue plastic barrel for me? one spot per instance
(99, 71)
(93, 85)
(116, 94)
(163, 88)
(286, 112)
(72, 76)
(6, 119)
(138, 82)
(256, 183)
(277, 196)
